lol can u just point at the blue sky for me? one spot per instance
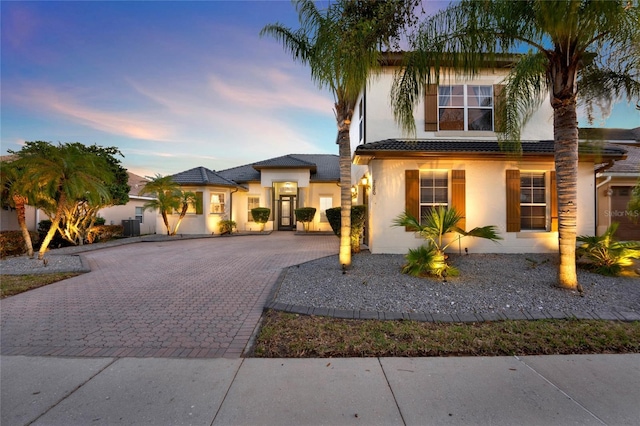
(174, 85)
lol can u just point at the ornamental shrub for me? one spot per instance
(12, 243)
(103, 233)
(358, 217)
(261, 215)
(305, 215)
(226, 226)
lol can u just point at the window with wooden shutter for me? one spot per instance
(513, 200)
(458, 196)
(412, 194)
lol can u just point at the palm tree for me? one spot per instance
(186, 199)
(166, 193)
(437, 223)
(17, 190)
(63, 174)
(341, 46)
(576, 47)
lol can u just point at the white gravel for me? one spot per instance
(22, 265)
(493, 283)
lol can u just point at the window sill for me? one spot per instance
(463, 133)
(535, 234)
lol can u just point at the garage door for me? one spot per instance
(628, 230)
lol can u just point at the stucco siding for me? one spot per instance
(485, 198)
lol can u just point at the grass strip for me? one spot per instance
(10, 285)
(285, 335)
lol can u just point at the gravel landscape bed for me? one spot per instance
(487, 283)
(23, 265)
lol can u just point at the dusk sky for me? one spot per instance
(174, 85)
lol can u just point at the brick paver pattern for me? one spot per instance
(197, 298)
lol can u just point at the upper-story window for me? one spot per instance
(465, 107)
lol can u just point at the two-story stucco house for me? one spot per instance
(282, 184)
(455, 161)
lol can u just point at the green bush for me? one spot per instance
(12, 243)
(226, 226)
(261, 215)
(305, 215)
(358, 217)
(103, 233)
(99, 221)
(57, 241)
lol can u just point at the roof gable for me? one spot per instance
(322, 167)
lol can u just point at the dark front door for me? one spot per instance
(286, 221)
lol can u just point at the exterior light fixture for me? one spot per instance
(354, 191)
(364, 181)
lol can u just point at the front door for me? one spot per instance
(286, 221)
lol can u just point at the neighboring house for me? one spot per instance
(615, 181)
(133, 210)
(281, 184)
(455, 161)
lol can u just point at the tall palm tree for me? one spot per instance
(166, 193)
(341, 46)
(18, 191)
(64, 174)
(575, 47)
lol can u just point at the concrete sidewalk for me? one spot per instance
(530, 390)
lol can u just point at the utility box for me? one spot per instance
(131, 228)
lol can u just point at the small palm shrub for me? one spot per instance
(305, 215)
(604, 254)
(430, 259)
(12, 243)
(261, 216)
(226, 226)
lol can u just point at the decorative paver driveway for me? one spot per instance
(197, 298)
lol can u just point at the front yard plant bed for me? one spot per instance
(285, 335)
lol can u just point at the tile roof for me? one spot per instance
(629, 165)
(286, 161)
(323, 167)
(611, 135)
(471, 147)
(136, 183)
(202, 176)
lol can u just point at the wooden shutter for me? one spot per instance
(513, 200)
(412, 194)
(199, 209)
(499, 108)
(458, 198)
(431, 108)
(553, 187)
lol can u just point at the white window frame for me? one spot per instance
(530, 197)
(435, 198)
(217, 203)
(139, 217)
(463, 101)
(323, 214)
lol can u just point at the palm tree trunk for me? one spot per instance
(166, 222)
(19, 201)
(183, 213)
(55, 223)
(566, 159)
(344, 149)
